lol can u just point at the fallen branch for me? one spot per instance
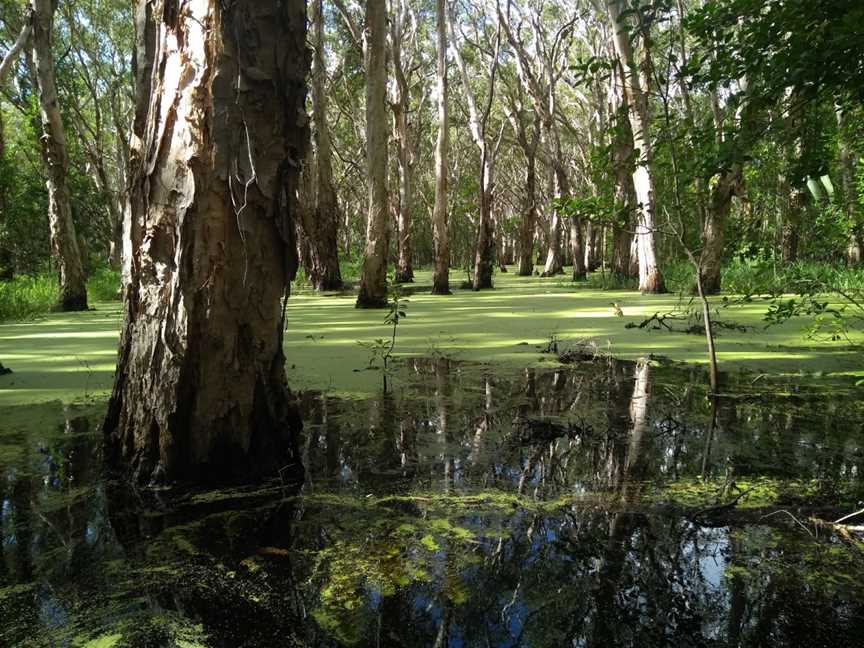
(720, 508)
(849, 517)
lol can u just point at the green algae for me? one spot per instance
(752, 492)
(72, 356)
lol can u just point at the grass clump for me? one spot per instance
(27, 297)
(104, 285)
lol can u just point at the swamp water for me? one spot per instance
(603, 504)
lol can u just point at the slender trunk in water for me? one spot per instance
(64, 240)
(322, 229)
(373, 283)
(440, 235)
(650, 278)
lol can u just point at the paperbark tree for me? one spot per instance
(650, 278)
(478, 123)
(729, 184)
(440, 233)
(528, 141)
(540, 78)
(220, 129)
(625, 194)
(373, 282)
(855, 249)
(64, 240)
(322, 216)
(403, 35)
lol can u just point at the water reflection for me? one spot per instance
(572, 507)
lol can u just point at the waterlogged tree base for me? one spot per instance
(370, 301)
(72, 303)
(403, 276)
(443, 289)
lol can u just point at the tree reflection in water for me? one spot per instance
(464, 508)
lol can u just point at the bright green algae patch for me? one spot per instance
(72, 356)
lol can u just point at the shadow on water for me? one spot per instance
(586, 506)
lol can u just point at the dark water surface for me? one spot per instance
(607, 504)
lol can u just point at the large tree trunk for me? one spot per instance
(373, 282)
(577, 249)
(650, 278)
(200, 391)
(440, 235)
(729, 185)
(64, 240)
(321, 221)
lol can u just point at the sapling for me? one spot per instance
(381, 348)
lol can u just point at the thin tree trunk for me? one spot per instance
(729, 185)
(373, 283)
(529, 220)
(322, 218)
(64, 240)
(478, 122)
(650, 278)
(561, 187)
(528, 143)
(484, 249)
(200, 392)
(440, 235)
(625, 193)
(590, 247)
(7, 270)
(16, 49)
(855, 248)
(405, 149)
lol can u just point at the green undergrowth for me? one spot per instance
(71, 356)
(29, 297)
